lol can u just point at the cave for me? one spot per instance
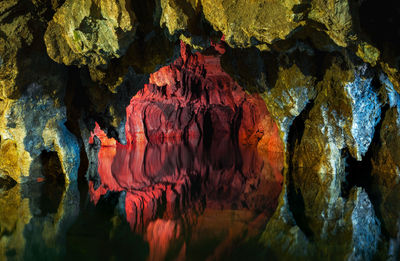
(199, 130)
(196, 145)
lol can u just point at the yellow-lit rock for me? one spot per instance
(14, 215)
(244, 23)
(368, 53)
(24, 136)
(89, 32)
(336, 17)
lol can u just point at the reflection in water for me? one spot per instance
(31, 226)
(189, 200)
(154, 202)
(196, 194)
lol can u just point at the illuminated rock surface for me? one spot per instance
(183, 129)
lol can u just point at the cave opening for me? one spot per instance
(53, 183)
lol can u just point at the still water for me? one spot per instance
(150, 202)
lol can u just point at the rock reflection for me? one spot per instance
(14, 215)
(31, 226)
(186, 196)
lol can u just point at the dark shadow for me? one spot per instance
(54, 183)
(207, 130)
(380, 21)
(6, 183)
(101, 234)
(294, 193)
(75, 100)
(257, 71)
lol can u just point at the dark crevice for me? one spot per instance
(358, 173)
(256, 71)
(294, 193)
(6, 183)
(207, 130)
(101, 233)
(54, 183)
(74, 100)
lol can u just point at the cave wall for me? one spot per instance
(323, 73)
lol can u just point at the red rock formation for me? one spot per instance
(173, 177)
(192, 94)
(189, 133)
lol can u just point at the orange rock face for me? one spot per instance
(195, 140)
(194, 97)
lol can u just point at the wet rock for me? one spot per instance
(336, 18)
(14, 216)
(249, 23)
(31, 107)
(22, 25)
(43, 129)
(194, 96)
(162, 180)
(386, 162)
(366, 227)
(92, 32)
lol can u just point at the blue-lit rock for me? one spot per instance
(366, 110)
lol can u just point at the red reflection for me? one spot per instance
(199, 150)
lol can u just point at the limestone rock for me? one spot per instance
(31, 102)
(14, 216)
(43, 129)
(16, 36)
(164, 174)
(368, 53)
(340, 107)
(337, 18)
(386, 162)
(316, 149)
(89, 32)
(177, 103)
(185, 20)
(246, 23)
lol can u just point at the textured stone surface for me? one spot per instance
(157, 174)
(92, 32)
(245, 23)
(194, 96)
(337, 18)
(14, 216)
(255, 23)
(316, 80)
(32, 109)
(26, 135)
(35, 218)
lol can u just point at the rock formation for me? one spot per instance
(150, 107)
